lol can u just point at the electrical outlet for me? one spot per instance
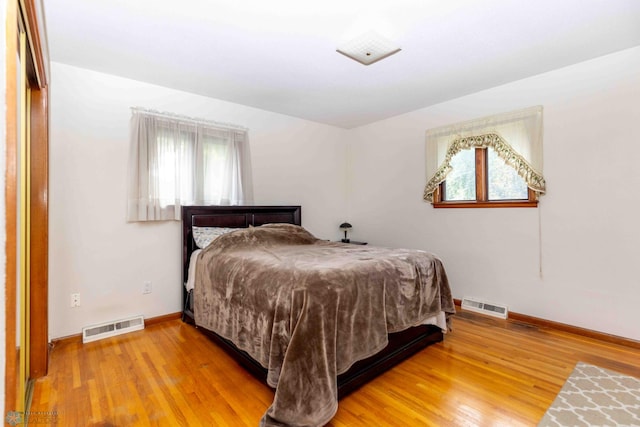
(75, 300)
(147, 288)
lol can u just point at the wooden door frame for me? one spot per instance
(39, 195)
(39, 268)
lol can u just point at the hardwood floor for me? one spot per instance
(487, 372)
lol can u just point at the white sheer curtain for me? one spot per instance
(177, 161)
(515, 136)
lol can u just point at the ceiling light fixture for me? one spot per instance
(368, 48)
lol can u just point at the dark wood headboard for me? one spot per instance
(230, 216)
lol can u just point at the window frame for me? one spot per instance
(482, 190)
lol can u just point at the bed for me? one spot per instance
(333, 366)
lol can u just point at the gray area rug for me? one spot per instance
(594, 396)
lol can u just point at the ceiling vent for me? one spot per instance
(369, 48)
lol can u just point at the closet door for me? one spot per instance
(23, 226)
(26, 213)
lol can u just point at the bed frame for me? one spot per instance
(401, 344)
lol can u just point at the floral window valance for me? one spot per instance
(516, 137)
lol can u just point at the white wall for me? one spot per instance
(93, 250)
(586, 228)
(584, 236)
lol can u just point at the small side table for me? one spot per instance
(353, 242)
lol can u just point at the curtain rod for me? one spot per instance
(195, 120)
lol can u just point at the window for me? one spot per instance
(192, 165)
(480, 178)
(178, 161)
(490, 162)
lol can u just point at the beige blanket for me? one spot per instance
(307, 309)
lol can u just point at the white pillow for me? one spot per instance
(205, 235)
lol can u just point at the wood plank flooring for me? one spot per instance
(487, 372)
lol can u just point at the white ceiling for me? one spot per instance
(280, 55)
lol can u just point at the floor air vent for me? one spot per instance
(110, 329)
(485, 307)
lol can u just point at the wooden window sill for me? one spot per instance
(473, 204)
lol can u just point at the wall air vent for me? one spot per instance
(490, 309)
(110, 329)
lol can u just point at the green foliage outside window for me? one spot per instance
(503, 182)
